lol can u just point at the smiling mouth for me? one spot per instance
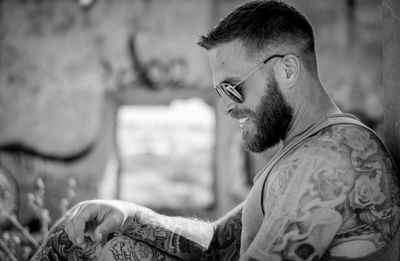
(242, 121)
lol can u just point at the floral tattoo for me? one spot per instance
(338, 187)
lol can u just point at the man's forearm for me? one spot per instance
(168, 238)
(184, 238)
(57, 247)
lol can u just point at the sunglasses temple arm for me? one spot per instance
(250, 73)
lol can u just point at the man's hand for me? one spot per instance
(82, 234)
(93, 220)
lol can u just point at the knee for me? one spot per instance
(125, 248)
(56, 245)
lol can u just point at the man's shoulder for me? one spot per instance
(347, 140)
(343, 152)
(343, 169)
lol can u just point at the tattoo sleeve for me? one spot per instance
(150, 236)
(188, 239)
(181, 238)
(138, 240)
(58, 247)
(338, 192)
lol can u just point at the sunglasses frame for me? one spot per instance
(231, 91)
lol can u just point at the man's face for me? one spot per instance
(270, 121)
(264, 116)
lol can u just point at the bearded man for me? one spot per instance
(330, 193)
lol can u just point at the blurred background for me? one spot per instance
(113, 99)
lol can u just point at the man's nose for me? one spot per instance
(226, 104)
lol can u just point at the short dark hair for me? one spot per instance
(263, 23)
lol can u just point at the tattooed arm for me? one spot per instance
(139, 233)
(188, 239)
(57, 246)
(337, 193)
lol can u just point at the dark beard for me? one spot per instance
(271, 119)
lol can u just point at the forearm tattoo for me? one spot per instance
(58, 247)
(151, 229)
(172, 235)
(149, 236)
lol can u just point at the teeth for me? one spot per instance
(242, 121)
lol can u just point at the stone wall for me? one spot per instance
(59, 64)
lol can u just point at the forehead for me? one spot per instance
(229, 60)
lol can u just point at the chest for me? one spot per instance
(266, 194)
(258, 205)
(252, 214)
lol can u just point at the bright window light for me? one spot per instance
(167, 154)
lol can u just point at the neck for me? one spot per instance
(310, 109)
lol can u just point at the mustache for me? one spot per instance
(238, 114)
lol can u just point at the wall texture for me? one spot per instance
(59, 63)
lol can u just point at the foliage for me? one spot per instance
(16, 241)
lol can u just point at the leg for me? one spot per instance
(125, 248)
(58, 247)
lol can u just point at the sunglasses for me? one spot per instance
(231, 91)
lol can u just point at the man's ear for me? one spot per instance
(289, 70)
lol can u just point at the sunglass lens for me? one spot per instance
(232, 93)
(229, 91)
